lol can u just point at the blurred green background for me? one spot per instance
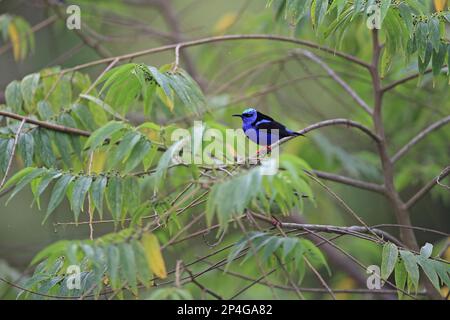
(294, 97)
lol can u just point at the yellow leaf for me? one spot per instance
(15, 40)
(440, 5)
(168, 101)
(225, 22)
(98, 162)
(153, 254)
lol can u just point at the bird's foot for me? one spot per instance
(264, 151)
(275, 222)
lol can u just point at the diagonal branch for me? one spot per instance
(400, 153)
(425, 189)
(337, 78)
(407, 78)
(332, 122)
(349, 181)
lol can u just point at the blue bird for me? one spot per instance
(260, 128)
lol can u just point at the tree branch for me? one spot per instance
(400, 153)
(337, 78)
(332, 122)
(352, 230)
(425, 189)
(349, 181)
(197, 42)
(406, 79)
(46, 125)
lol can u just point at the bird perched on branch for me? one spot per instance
(262, 129)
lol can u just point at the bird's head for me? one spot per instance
(248, 116)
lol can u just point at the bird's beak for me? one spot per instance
(237, 115)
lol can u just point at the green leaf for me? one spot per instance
(128, 264)
(406, 13)
(84, 116)
(161, 79)
(124, 149)
(29, 86)
(400, 277)
(114, 197)
(26, 179)
(44, 183)
(434, 33)
(43, 147)
(143, 272)
(66, 120)
(113, 263)
(13, 96)
(443, 270)
(410, 262)
(98, 190)
(58, 192)
(314, 254)
(103, 133)
(423, 64)
(18, 176)
(103, 105)
(438, 59)
(137, 154)
(428, 267)
(388, 260)
(385, 4)
(26, 148)
(80, 188)
(422, 39)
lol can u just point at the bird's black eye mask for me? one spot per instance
(247, 115)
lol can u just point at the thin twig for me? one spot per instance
(13, 151)
(337, 78)
(422, 134)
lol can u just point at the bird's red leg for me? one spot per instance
(267, 150)
(275, 222)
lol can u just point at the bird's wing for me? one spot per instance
(262, 116)
(272, 125)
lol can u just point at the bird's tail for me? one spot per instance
(296, 134)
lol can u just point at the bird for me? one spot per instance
(260, 128)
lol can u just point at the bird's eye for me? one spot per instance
(247, 115)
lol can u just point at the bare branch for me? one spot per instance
(407, 78)
(352, 230)
(46, 125)
(425, 189)
(337, 78)
(193, 43)
(422, 134)
(349, 181)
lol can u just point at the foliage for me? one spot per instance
(17, 30)
(78, 145)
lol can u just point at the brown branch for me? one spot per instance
(349, 181)
(46, 125)
(422, 134)
(331, 122)
(425, 189)
(352, 230)
(401, 212)
(406, 79)
(337, 78)
(89, 41)
(197, 42)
